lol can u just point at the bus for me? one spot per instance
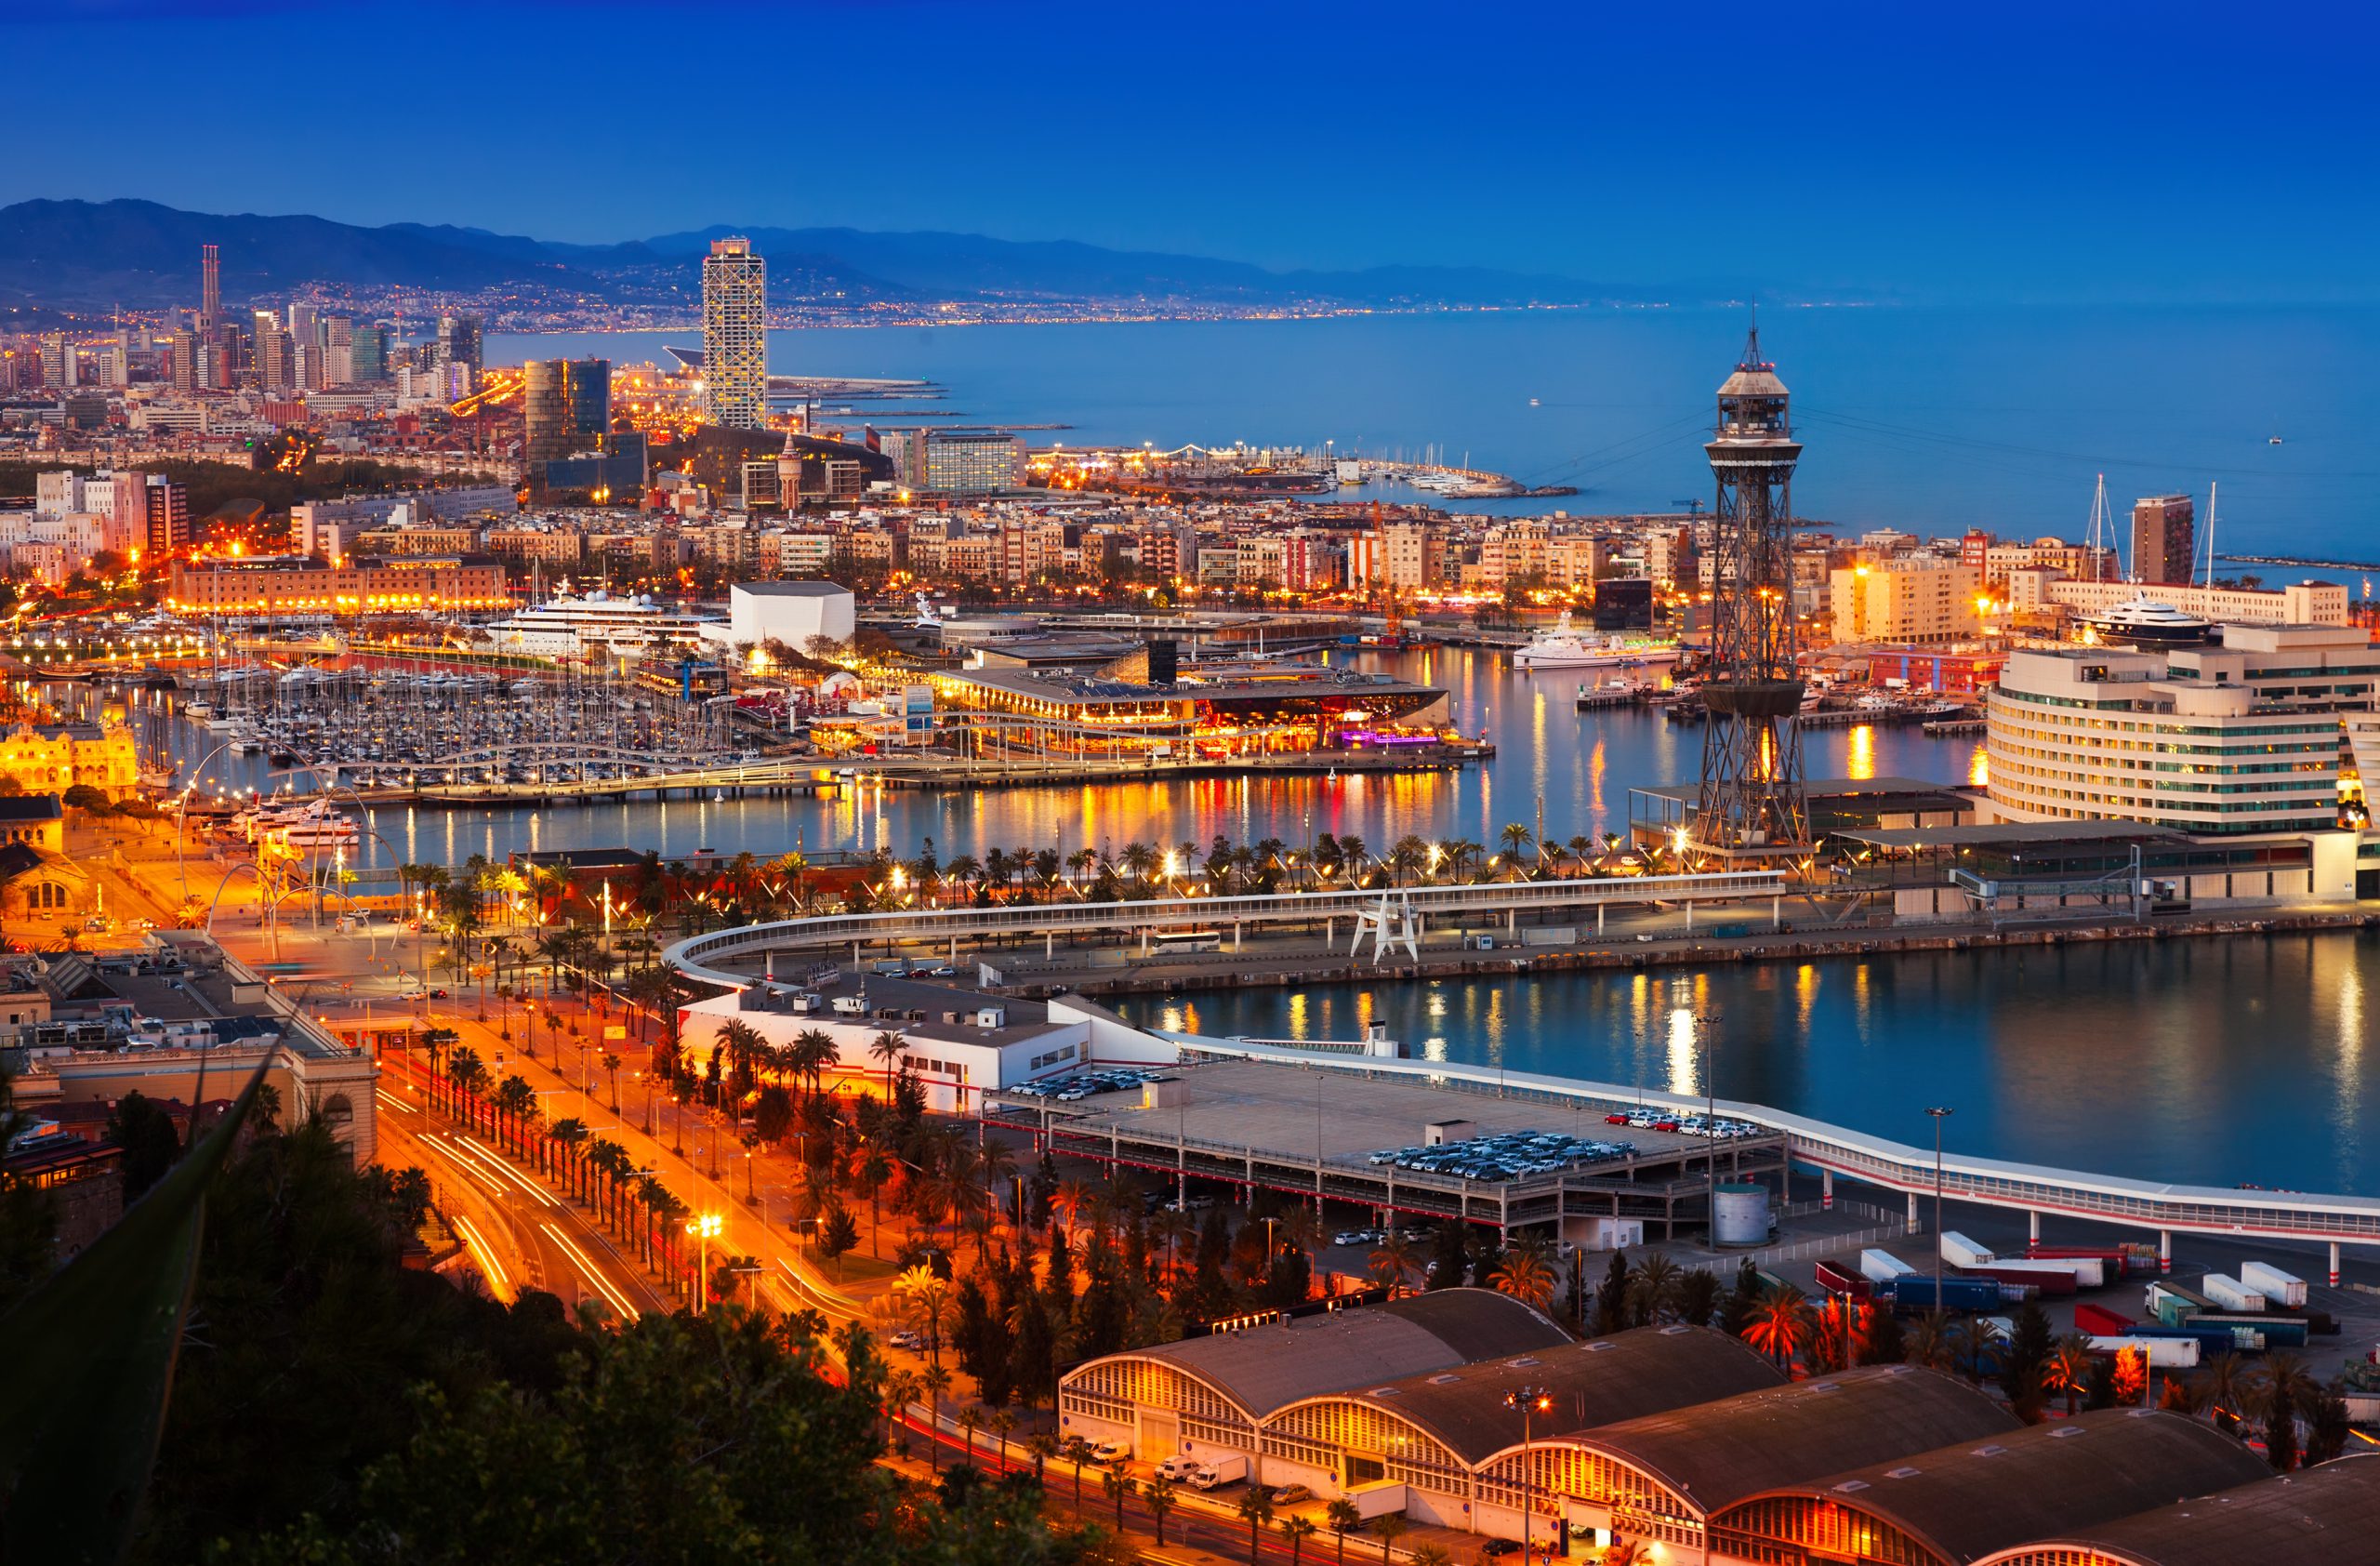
(1188, 940)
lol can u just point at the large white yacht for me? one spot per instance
(1565, 647)
(599, 622)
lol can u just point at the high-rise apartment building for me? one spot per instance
(973, 462)
(458, 343)
(735, 336)
(210, 290)
(2165, 539)
(272, 351)
(565, 409)
(168, 516)
(57, 363)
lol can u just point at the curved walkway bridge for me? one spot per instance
(698, 956)
(1832, 1150)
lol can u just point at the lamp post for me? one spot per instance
(1939, 1116)
(703, 1228)
(1531, 1401)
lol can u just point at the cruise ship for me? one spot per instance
(599, 622)
(1565, 647)
(2143, 623)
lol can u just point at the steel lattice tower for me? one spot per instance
(1751, 806)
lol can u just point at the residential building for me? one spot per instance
(973, 462)
(2307, 603)
(735, 336)
(2164, 545)
(1906, 603)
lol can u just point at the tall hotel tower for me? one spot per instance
(735, 336)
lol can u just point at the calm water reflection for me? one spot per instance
(2203, 1061)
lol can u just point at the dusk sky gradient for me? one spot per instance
(2185, 153)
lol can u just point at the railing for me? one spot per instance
(1898, 1166)
(927, 925)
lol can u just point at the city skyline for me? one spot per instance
(1911, 158)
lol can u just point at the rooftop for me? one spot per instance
(28, 807)
(1646, 1370)
(791, 590)
(1716, 1454)
(2316, 1516)
(1266, 1368)
(1968, 1499)
(2002, 834)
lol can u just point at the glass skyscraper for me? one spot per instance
(565, 407)
(735, 336)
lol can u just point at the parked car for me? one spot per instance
(1495, 1548)
(1109, 1452)
(1181, 1465)
(1290, 1495)
(1354, 1237)
(905, 1339)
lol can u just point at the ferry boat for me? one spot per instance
(1564, 646)
(599, 622)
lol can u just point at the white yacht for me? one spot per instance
(599, 622)
(1565, 647)
(2142, 621)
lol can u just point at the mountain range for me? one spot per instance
(86, 255)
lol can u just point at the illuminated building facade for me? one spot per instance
(735, 335)
(52, 758)
(291, 588)
(565, 408)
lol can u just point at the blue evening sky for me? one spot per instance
(2184, 151)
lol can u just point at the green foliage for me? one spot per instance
(81, 1409)
(143, 1129)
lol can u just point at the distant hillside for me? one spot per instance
(92, 255)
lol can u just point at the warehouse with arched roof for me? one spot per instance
(1433, 1432)
(1958, 1502)
(1658, 1477)
(1209, 1394)
(2318, 1517)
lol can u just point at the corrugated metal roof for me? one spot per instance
(1716, 1453)
(1266, 1368)
(2318, 1517)
(1627, 1374)
(1966, 1501)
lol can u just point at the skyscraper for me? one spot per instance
(272, 356)
(735, 336)
(1751, 806)
(2165, 539)
(565, 408)
(210, 290)
(458, 343)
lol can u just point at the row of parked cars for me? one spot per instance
(1691, 1126)
(1413, 1234)
(1082, 1084)
(1506, 1155)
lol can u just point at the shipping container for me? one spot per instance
(1959, 1250)
(2274, 1284)
(2172, 1305)
(2053, 1284)
(2164, 1353)
(2054, 1278)
(2089, 1318)
(1841, 1275)
(2230, 1294)
(2276, 1332)
(1960, 1295)
(1883, 1267)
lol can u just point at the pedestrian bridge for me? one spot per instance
(1834, 1149)
(703, 957)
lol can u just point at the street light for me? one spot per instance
(1531, 1401)
(703, 1228)
(1939, 1116)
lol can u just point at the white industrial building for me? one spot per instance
(793, 613)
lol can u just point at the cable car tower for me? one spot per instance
(1751, 811)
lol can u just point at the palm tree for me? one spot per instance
(573, 1134)
(1652, 1287)
(1517, 841)
(1430, 1555)
(970, 1419)
(1929, 1342)
(1297, 1530)
(1257, 1508)
(1119, 1487)
(935, 1379)
(888, 1047)
(813, 1050)
(1781, 1324)
(1070, 1202)
(1000, 1422)
(1388, 1529)
(1393, 1261)
(610, 1064)
(1044, 1446)
(1077, 1451)
(2283, 1392)
(1343, 1520)
(1159, 1495)
(1524, 1276)
(2068, 1368)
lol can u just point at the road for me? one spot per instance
(519, 1234)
